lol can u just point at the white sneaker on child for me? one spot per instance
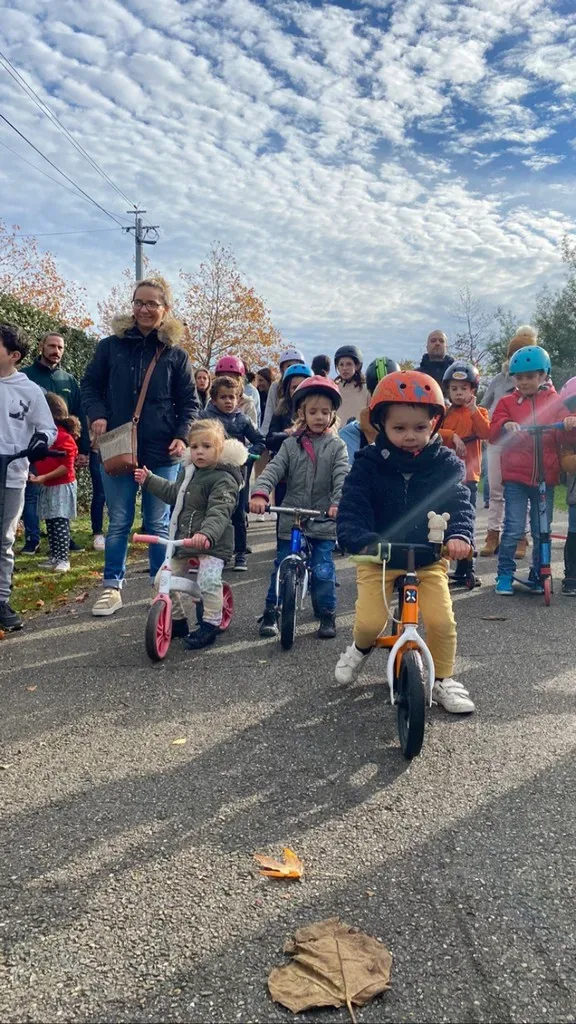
(61, 565)
(349, 664)
(452, 696)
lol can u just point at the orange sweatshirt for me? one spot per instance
(459, 420)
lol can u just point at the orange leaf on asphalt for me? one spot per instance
(2, 634)
(39, 604)
(82, 597)
(290, 867)
(31, 689)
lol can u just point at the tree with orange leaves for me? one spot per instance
(224, 316)
(32, 278)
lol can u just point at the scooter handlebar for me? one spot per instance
(145, 538)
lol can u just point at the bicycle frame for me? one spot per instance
(299, 549)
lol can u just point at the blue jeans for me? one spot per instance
(571, 518)
(323, 573)
(120, 493)
(98, 500)
(516, 498)
(30, 513)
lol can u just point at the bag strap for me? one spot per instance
(145, 383)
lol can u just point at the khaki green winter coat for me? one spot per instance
(316, 485)
(204, 499)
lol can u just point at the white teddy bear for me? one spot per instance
(437, 527)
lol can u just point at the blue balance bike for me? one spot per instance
(294, 574)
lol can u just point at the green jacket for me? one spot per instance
(62, 383)
(316, 485)
(204, 499)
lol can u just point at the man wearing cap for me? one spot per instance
(436, 360)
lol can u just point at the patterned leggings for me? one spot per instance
(209, 580)
(58, 531)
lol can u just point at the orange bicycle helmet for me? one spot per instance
(410, 386)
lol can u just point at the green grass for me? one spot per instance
(40, 590)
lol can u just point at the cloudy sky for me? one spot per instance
(364, 159)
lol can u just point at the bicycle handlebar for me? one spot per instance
(294, 511)
(151, 538)
(382, 551)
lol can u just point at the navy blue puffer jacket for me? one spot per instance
(388, 493)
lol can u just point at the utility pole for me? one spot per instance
(141, 238)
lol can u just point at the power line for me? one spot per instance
(51, 234)
(56, 168)
(27, 88)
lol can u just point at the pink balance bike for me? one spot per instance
(158, 633)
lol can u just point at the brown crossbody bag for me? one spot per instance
(119, 447)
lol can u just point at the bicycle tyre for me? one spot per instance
(288, 597)
(547, 584)
(411, 709)
(158, 631)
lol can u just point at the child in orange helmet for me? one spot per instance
(387, 495)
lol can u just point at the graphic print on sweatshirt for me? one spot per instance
(21, 412)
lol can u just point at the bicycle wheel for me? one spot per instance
(158, 631)
(547, 584)
(227, 607)
(288, 597)
(411, 704)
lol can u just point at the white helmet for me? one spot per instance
(291, 355)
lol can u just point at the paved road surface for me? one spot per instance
(127, 885)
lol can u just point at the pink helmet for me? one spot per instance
(317, 386)
(229, 364)
(568, 394)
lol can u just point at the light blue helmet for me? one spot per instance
(296, 370)
(529, 359)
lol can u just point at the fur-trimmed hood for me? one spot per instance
(170, 332)
(234, 453)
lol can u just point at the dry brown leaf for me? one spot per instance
(2, 634)
(290, 867)
(31, 689)
(39, 604)
(62, 599)
(179, 742)
(5, 767)
(333, 965)
(81, 597)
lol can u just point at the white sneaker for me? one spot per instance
(110, 601)
(349, 664)
(99, 542)
(48, 564)
(61, 566)
(452, 696)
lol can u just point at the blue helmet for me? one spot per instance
(529, 359)
(297, 370)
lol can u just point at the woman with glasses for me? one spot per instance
(110, 391)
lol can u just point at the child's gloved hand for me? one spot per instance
(200, 540)
(570, 423)
(141, 475)
(258, 506)
(458, 548)
(511, 426)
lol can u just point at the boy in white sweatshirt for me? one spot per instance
(23, 412)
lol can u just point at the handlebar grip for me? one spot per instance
(145, 538)
(187, 543)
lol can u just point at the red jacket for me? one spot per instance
(65, 443)
(519, 452)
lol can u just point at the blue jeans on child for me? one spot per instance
(120, 493)
(516, 498)
(323, 573)
(30, 513)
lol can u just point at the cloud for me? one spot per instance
(363, 161)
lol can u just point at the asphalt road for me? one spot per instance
(127, 884)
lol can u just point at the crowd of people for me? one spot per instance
(374, 449)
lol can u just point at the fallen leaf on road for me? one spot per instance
(5, 767)
(291, 867)
(2, 634)
(81, 597)
(262, 661)
(494, 618)
(39, 604)
(31, 689)
(333, 965)
(62, 599)
(179, 743)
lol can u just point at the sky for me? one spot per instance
(365, 160)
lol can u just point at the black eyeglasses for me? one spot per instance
(153, 306)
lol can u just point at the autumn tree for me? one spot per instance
(119, 298)
(407, 364)
(224, 315)
(32, 277)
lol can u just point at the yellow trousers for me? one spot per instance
(435, 607)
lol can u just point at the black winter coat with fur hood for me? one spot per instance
(113, 379)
